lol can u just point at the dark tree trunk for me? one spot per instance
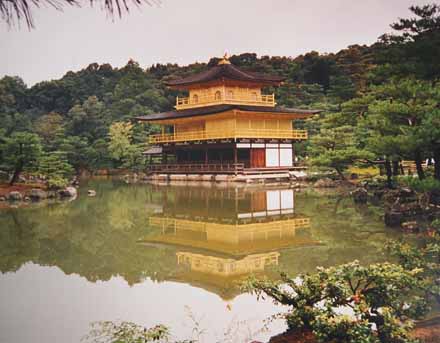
(395, 168)
(418, 160)
(389, 173)
(17, 172)
(341, 175)
(437, 163)
(18, 166)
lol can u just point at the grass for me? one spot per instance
(365, 172)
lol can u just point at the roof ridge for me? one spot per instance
(227, 71)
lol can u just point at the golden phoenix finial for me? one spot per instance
(225, 59)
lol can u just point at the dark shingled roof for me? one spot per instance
(191, 112)
(226, 71)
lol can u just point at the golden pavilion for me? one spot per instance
(226, 124)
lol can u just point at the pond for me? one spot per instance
(169, 254)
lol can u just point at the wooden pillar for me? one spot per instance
(279, 155)
(235, 158)
(293, 154)
(206, 155)
(236, 199)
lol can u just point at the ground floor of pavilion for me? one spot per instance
(224, 158)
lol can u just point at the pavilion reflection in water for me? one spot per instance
(223, 235)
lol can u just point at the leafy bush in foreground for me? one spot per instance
(351, 303)
(126, 332)
(425, 256)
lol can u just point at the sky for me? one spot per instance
(186, 31)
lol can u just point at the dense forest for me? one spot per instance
(380, 102)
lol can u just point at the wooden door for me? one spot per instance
(258, 158)
(258, 202)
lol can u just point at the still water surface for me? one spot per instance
(169, 254)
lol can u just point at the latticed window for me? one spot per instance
(195, 98)
(230, 94)
(218, 95)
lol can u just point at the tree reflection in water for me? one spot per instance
(211, 237)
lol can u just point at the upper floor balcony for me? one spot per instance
(218, 98)
(202, 135)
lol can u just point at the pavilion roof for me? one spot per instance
(199, 111)
(226, 71)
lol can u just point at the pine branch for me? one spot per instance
(15, 11)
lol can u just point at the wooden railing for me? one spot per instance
(227, 134)
(297, 223)
(196, 167)
(259, 100)
(270, 133)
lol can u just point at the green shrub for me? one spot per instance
(426, 185)
(56, 169)
(425, 257)
(350, 303)
(125, 332)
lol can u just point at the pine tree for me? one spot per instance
(56, 169)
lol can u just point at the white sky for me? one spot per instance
(185, 31)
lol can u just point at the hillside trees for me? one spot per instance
(48, 127)
(13, 104)
(414, 48)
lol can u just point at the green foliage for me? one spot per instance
(424, 256)
(88, 120)
(126, 332)
(336, 148)
(399, 111)
(56, 169)
(120, 139)
(426, 185)
(48, 127)
(79, 153)
(21, 151)
(414, 49)
(121, 147)
(350, 303)
(341, 89)
(135, 159)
